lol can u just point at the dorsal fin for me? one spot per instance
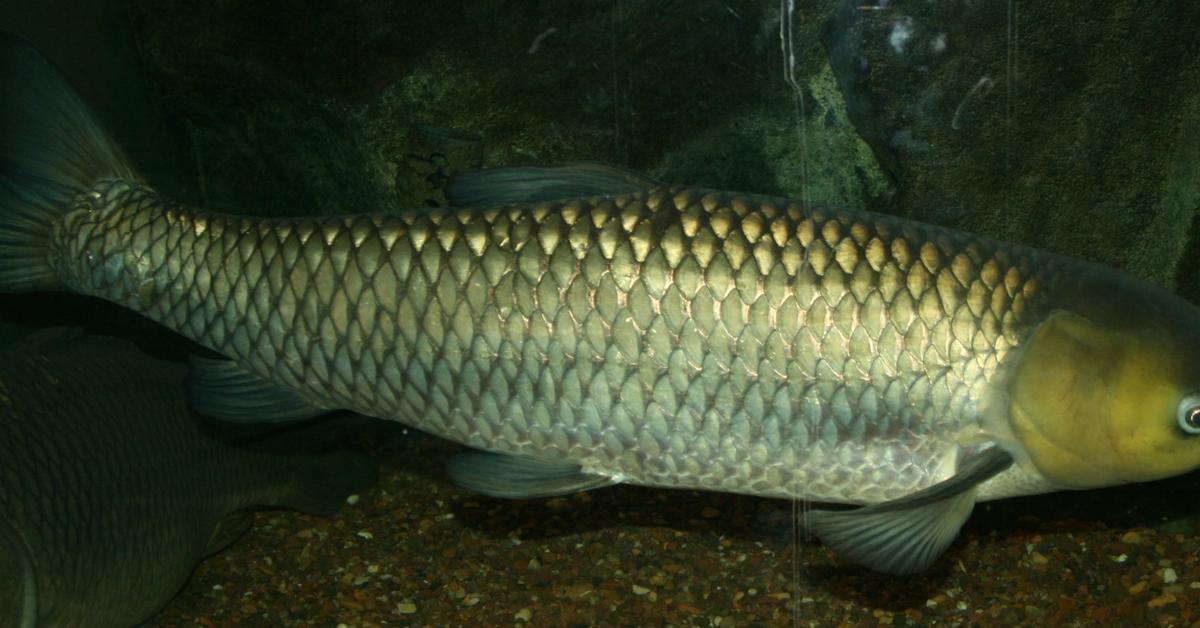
(532, 184)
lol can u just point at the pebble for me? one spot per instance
(1038, 558)
(1161, 601)
(1131, 537)
(640, 590)
(579, 591)
(523, 615)
(1169, 575)
(406, 607)
(1139, 587)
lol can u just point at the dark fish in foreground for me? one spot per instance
(586, 327)
(109, 494)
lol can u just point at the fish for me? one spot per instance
(585, 325)
(109, 492)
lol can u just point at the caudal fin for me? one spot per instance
(323, 483)
(51, 149)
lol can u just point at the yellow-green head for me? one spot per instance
(1107, 391)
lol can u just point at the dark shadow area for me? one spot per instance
(96, 317)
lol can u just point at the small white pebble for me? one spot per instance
(1169, 575)
(1194, 585)
(352, 499)
(523, 615)
(372, 568)
(363, 534)
(217, 587)
(407, 607)
(962, 606)
(1122, 558)
(640, 590)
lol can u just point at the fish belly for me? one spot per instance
(670, 337)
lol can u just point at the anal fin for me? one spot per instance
(519, 477)
(223, 390)
(907, 535)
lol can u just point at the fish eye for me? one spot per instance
(1189, 414)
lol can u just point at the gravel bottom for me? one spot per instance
(417, 551)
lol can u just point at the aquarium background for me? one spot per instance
(1069, 126)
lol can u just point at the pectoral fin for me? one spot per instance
(518, 477)
(906, 535)
(29, 598)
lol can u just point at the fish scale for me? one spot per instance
(670, 337)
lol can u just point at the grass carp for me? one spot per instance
(109, 493)
(586, 326)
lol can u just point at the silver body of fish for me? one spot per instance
(670, 337)
(592, 327)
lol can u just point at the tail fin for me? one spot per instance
(324, 482)
(51, 148)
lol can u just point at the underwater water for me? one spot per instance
(1069, 127)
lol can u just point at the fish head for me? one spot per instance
(1099, 397)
